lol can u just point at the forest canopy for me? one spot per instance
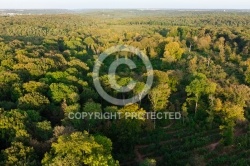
(201, 67)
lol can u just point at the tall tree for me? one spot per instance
(158, 97)
(199, 86)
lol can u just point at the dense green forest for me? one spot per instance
(201, 67)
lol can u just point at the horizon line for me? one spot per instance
(123, 9)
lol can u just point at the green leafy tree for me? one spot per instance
(19, 154)
(80, 149)
(43, 130)
(159, 97)
(59, 91)
(33, 86)
(127, 129)
(230, 114)
(199, 86)
(33, 101)
(81, 66)
(139, 90)
(247, 75)
(13, 126)
(88, 93)
(16, 91)
(7, 79)
(91, 108)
